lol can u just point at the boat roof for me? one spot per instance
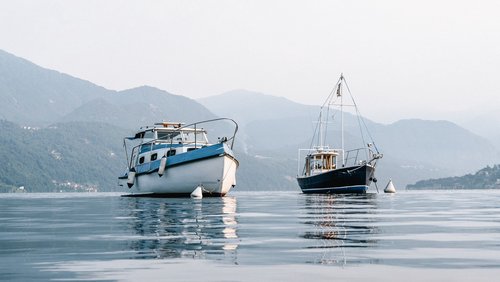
(172, 124)
(320, 153)
(165, 127)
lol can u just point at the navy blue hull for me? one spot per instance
(354, 179)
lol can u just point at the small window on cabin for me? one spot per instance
(171, 153)
(149, 134)
(154, 157)
(191, 149)
(141, 160)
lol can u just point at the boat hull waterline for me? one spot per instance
(354, 179)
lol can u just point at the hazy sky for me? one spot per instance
(402, 59)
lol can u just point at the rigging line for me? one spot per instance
(316, 131)
(362, 119)
(331, 93)
(326, 124)
(310, 145)
(364, 123)
(314, 134)
(327, 104)
(331, 99)
(358, 116)
(368, 132)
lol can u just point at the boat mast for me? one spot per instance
(321, 129)
(339, 94)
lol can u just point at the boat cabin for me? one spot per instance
(173, 136)
(320, 161)
(169, 139)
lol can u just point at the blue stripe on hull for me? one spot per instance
(358, 189)
(147, 148)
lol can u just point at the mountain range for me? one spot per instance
(60, 129)
(37, 96)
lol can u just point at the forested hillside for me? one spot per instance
(74, 156)
(486, 178)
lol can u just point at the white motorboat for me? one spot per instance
(173, 159)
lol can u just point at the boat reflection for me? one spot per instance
(184, 228)
(338, 223)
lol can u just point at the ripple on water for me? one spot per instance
(439, 230)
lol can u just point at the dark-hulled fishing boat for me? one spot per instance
(333, 171)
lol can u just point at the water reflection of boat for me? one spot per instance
(181, 228)
(337, 223)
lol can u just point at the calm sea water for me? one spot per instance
(254, 236)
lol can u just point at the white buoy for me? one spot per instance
(131, 178)
(163, 163)
(197, 193)
(390, 187)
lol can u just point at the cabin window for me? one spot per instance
(154, 157)
(149, 134)
(167, 136)
(141, 160)
(317, 164)
(171, 153)
(191, 149)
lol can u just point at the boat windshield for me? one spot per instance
(149, 135)
(198, 137)
(167, 136)
(183, 136)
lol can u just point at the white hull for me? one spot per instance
(215, 175)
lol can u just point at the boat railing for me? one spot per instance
(195, 125)
(351, 156)
(136, 150)
(356, 156)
